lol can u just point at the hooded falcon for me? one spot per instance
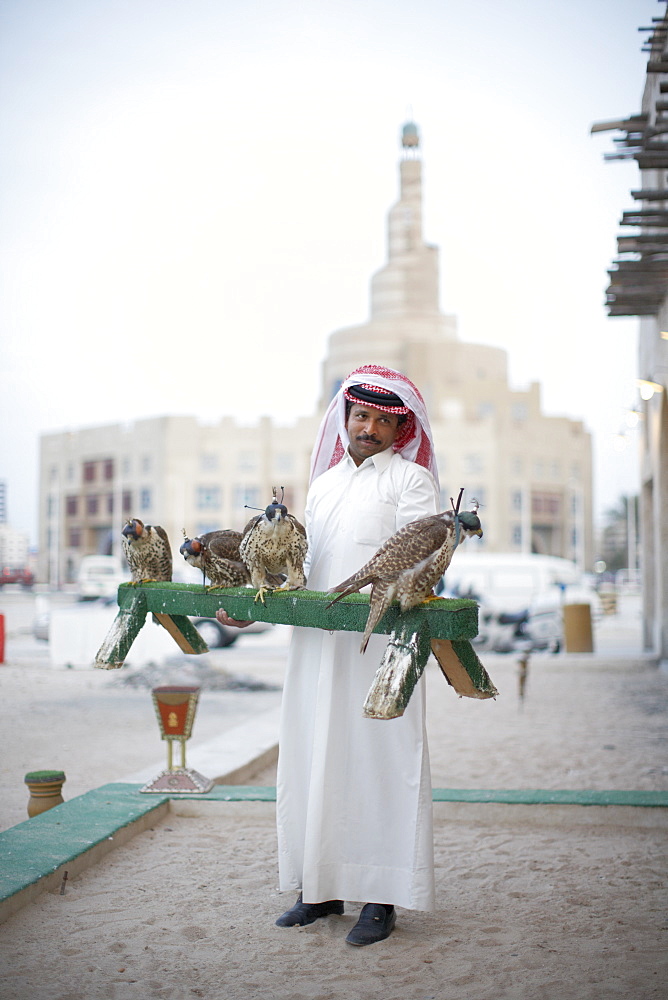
(274, 542)
(216, 553)
(147, 551)
(409, 564)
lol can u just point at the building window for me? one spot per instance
(50, 505)
(485, 409)
(247, 461)
(110, 503)
(89, 472)
(284, 462)
(70, 472)
(146, 463)
(473, 463)
(53, 473)
(126, 466)
(92, 504)
(516, 534)
(516, 500)
(519, 412)
(71, 506)
(108, 468)
(145, 499)
(74, 538)
(208, 461)
(246, 496)
(548, 505)
(127, 501)
(208, 498)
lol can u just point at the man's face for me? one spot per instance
(370, 431)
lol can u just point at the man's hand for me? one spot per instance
(224, 619)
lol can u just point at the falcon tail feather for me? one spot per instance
(349, 586)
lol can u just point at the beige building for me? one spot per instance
(639, 287)
(531, 473)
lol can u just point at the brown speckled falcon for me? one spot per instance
(216, 553)
(274, 542)
(409, 564)
(147, 551)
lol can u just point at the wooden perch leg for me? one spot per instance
(403, 663)
(183, 632)
(462, 669)
(122, 634)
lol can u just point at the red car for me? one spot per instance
(23, 576)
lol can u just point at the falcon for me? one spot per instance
(147, 550)
(274, 542)
(216, 553)
(409, 564)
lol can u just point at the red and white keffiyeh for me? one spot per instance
(414, 441)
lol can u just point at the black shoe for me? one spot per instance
(376, 922)
(306, 913)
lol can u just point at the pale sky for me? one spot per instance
(193, 196)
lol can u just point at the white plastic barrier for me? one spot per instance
(76, 634)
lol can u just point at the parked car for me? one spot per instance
(217, 636)
(100, 576)
(21, 575)
(520, 596)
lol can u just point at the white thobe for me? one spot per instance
(354, 800)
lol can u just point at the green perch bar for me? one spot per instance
(444, 627)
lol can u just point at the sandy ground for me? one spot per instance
(548, 902)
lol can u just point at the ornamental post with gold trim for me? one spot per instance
(175, 707)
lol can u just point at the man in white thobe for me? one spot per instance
(354, 799)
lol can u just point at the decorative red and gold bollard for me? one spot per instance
(175, 708)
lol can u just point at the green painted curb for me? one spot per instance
(41, 845)
(557, 796)
(38, 847)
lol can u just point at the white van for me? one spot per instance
(521, 596)
(100, 576)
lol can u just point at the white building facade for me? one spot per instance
(531, 473)
(639, 287)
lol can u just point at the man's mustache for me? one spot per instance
(368, 437)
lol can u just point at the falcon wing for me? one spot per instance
(299, 542)
(297, 525)
(163, 552)
(223, 544)
(410, 545)
(251, 524)
(162, 534)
